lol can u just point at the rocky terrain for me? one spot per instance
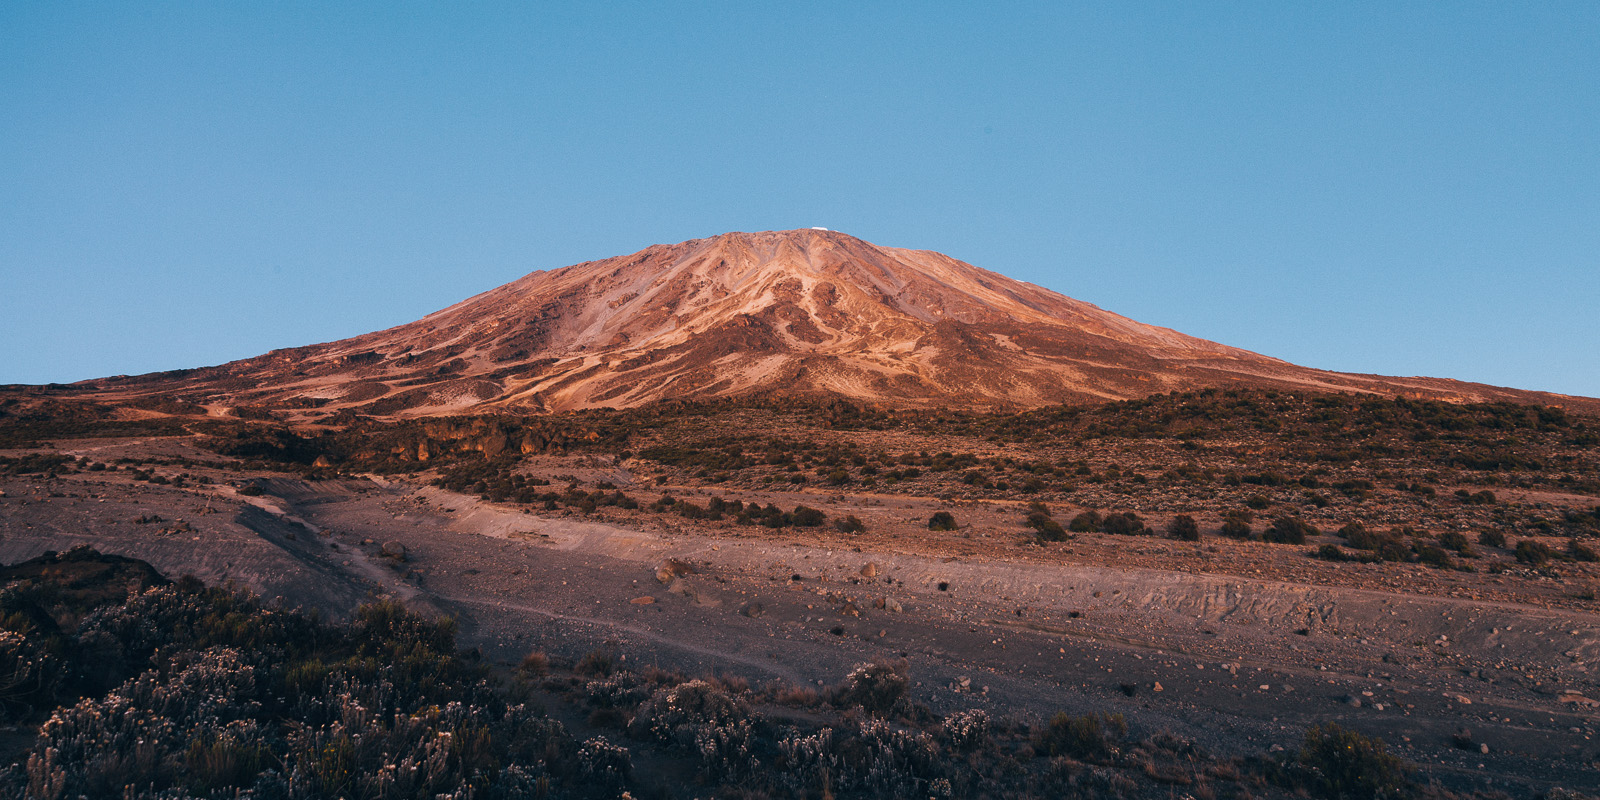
(790, 313)
(917, 528)
(781, 545)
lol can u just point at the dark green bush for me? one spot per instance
(1184, 528)
(1289, 530)
(1533, 553)
(1344, 765)
(1125, 523)
(1457, 542)
(1089, 736)
(1236, 524)
(1390, 546)
(942, 521)
(1434, 556)
(1085, 522)
(1578, 551)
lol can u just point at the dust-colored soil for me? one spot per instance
(1179, 637)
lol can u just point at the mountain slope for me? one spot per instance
(791, 312)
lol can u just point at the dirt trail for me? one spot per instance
(1241, 664)
(1478, 631)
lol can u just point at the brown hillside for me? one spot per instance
(791, 312)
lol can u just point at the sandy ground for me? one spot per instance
(1239, 664)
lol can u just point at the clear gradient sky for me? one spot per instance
(1398, 188)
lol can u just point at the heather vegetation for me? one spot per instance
(146, 689)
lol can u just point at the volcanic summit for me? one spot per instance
(803, 312)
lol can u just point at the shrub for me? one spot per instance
(1434, 557)
(1126, 523)
(877, 687)
(601, 662)
(942, 521)
(1289, 530)
(849, 524)
(1090, 736)
(1578, 551)
(808, 517)
(1389, 546)
(1454, 540)
(678, 713)
(29, 677)
(1483, 498)
(1345, 765)
(1085, 522)
(1492, 538)
(1040, 520)
(1051, 531)
(1236, 524)
(1533, 553)
(967, 730)
(534, 665)
(1331, 552)
(1184, 528)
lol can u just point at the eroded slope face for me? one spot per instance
(804, 311)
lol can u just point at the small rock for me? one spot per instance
(753, 610)
(1352, 701)
(1483, 748)
(1574, 697)
(1156, 687)
(394, 550)
(642, 601)
(870, 570)
(892, 604)
(673, 568)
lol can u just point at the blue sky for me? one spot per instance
(1396, 188)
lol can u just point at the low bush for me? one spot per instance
(1236, 524)
(1090, 736)
(1339, 764)
(1184, 528)
(1533, 553)
(878, 688)
(1289, 530)
(1085, 522)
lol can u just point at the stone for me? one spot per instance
(673, 568)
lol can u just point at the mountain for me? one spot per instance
(802, 312)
